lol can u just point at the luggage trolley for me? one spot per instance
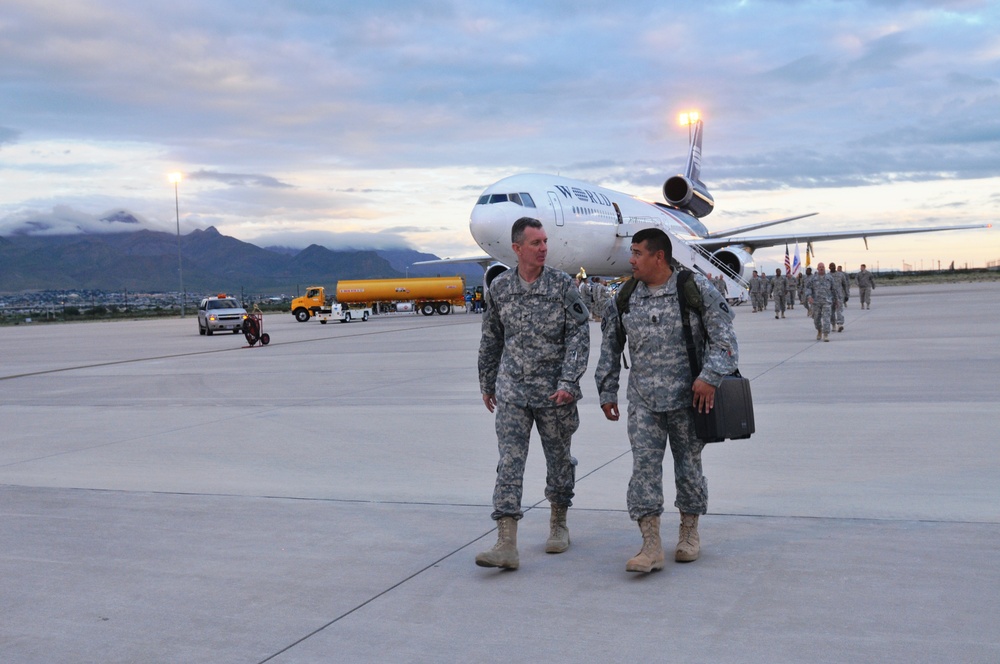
(252, 328)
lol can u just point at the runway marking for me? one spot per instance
(220, 350)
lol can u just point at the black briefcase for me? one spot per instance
(732, 416)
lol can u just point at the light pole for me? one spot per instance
(176, 178)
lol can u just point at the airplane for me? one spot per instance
(589, 227)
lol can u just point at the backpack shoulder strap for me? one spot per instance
(622, 299)
(689, 297)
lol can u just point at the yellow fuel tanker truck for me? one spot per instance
(428, 295)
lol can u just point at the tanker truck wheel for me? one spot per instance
(364, 317)
(427, 309)
(301, 315)
(443, 308)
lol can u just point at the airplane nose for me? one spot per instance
(489, 228)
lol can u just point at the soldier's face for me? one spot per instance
(644, 261)
(821, 268)
(533, 248)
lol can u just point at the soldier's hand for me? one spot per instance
(610, 411)
(491, 401)
(704, 396)
(562, 397)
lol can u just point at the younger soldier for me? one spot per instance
(661, 390)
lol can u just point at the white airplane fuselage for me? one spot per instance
(588, 227)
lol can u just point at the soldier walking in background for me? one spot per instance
(803, 283)
(534, 348)
(778, 289)
(823, 295)
(837, 314)
(866, 284)
(757, 286)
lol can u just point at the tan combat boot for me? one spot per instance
(819, 335)
(558, 531)
(688, 542)
(651, 556)
(504, 552)
(826, 337)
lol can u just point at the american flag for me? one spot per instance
(788, 261)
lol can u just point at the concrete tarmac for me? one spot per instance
(166, 497)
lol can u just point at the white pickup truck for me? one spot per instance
(345, 313)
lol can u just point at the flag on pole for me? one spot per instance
(788, 261)
(796, 263)
(808, 253)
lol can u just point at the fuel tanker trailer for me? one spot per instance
(428, 295)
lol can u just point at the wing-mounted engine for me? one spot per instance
(734, 260)
(691, 196)
(492, 272)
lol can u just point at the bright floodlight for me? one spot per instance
(175, 177)
(689, 118)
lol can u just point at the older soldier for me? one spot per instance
(534, 348)
(778, 289)
(823, 295)
(866, 284)
(661, 391)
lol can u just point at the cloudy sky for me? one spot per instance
(378, 123)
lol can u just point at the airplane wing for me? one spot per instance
(484, 261)
(752, 243)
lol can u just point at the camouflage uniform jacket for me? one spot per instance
(660, 377)
(779, 285)
(865, 279)
(535, 341)
(844, 283)
(823, 289)
(758, 284)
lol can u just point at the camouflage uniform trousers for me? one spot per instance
(649, 432)
(866, 296)
(837, 314)
(822, 313)
(779, 303)
(556, 426)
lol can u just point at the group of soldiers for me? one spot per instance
(594, 292)
(824, 294)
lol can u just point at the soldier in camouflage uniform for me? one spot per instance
(756, 286)
(823, 295)
(661, 391)
(866, 284)
(804, 290)
(837, 314)
(534, 348)
(779, 288)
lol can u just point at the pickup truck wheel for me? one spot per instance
(208, 330)
(201, 330)
(301, 315)
(427, 309)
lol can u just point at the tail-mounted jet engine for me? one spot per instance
(692, 197)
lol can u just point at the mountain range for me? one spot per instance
(147, 261)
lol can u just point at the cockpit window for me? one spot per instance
(498, 198)
(483, 200)
(516, 198)
(527, 200)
